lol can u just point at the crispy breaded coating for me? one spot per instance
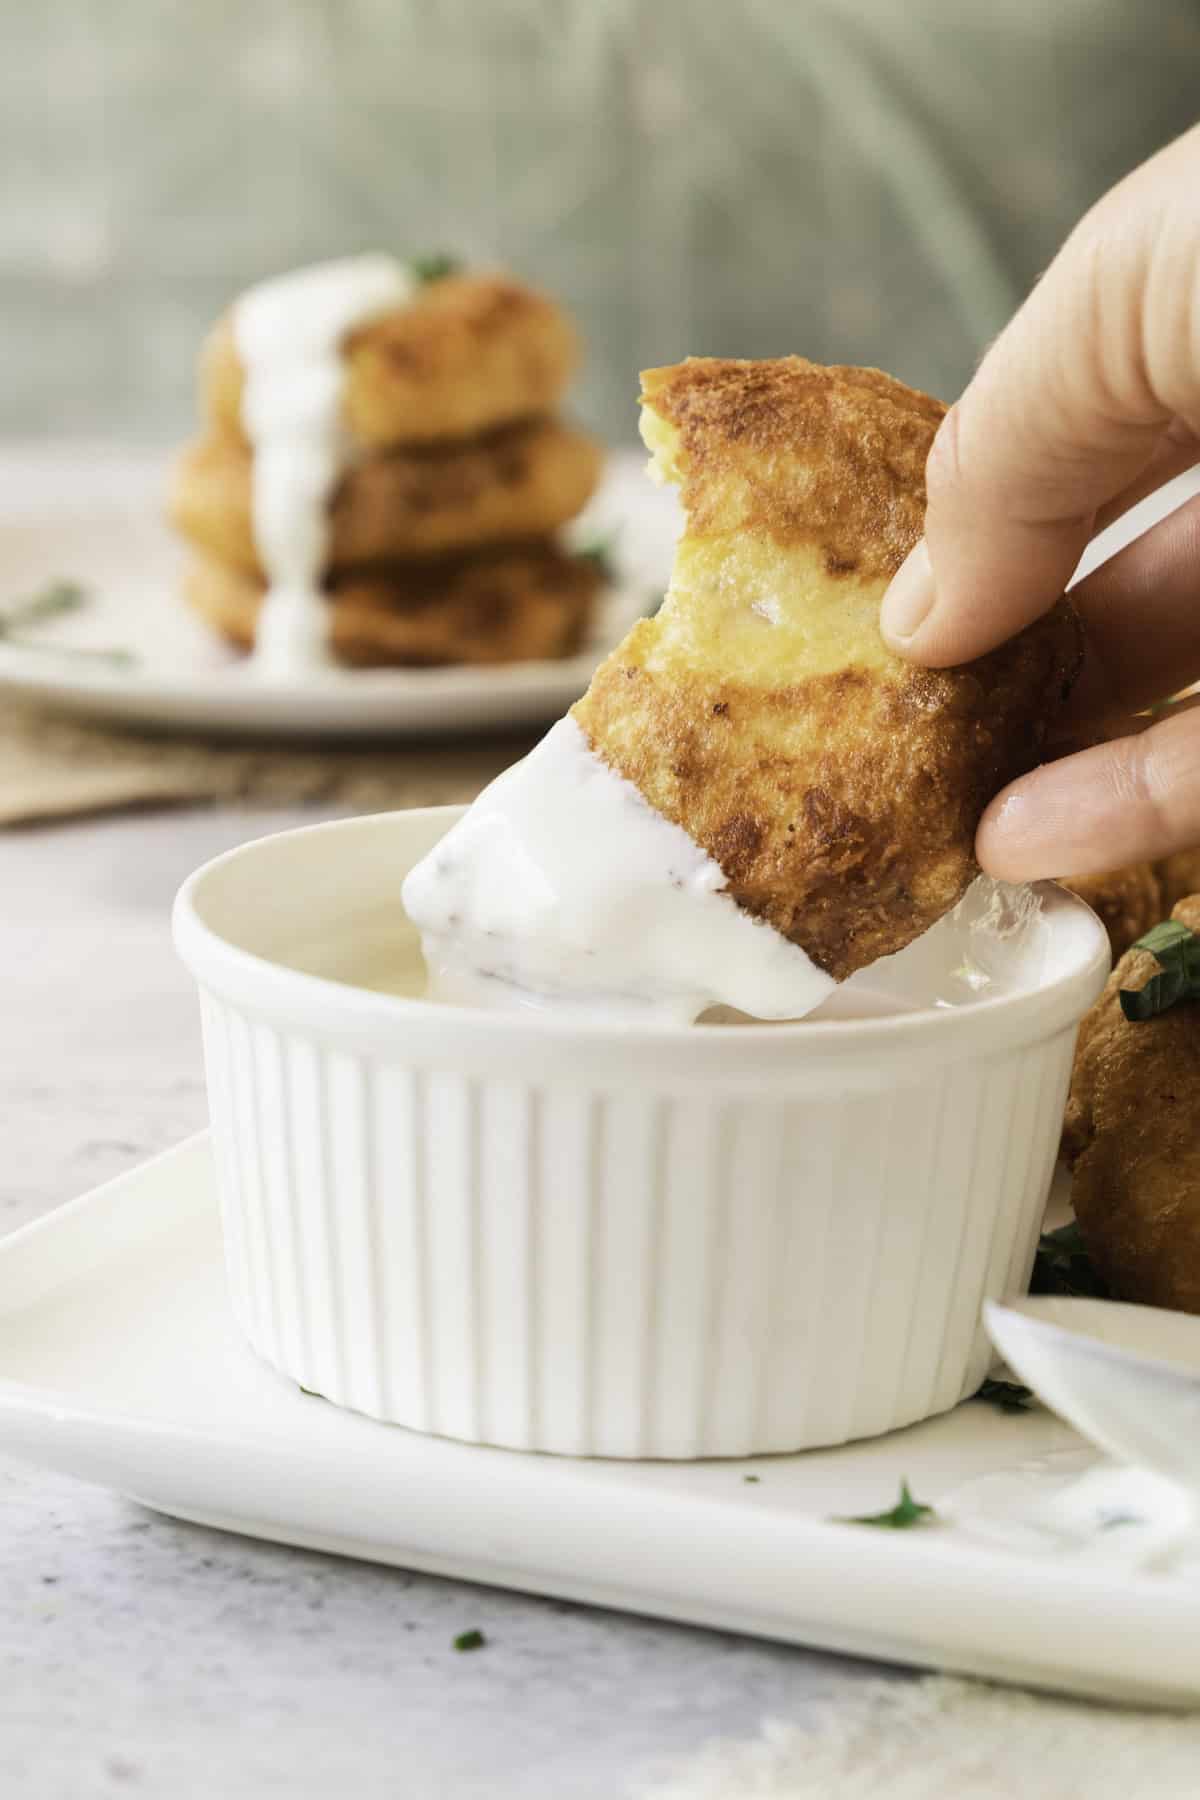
(514, 485)
(1133, 1136)
(837, 786)
(1178, 877)
(467, 354)
(1129, 901)
(526, 602)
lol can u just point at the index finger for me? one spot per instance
(1065, 413)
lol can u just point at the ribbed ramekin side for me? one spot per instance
(223, 1119)
(1027, 1155)
(986, 1175)
(546, 1266)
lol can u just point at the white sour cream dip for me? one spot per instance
(562, 887)
(289, 334)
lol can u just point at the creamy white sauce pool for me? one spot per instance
(289, 334)
(563, 887)
(1074, 1504)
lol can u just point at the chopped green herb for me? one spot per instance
(906, 1513)
(599, 552)
(1176, 950)
(1005, 1396)
(51, 602)
(435, 266)
(750, 1478)
(470, 1640)
(1062, 1266)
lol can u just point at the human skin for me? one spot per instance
(1086, 402)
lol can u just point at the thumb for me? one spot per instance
(1066, 410)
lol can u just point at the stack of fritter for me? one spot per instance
(442, 545)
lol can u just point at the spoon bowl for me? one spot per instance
(1127, 1377)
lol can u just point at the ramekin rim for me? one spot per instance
(203, 949)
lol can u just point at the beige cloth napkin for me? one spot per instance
(56, 767)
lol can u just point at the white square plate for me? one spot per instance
(120, 1363)
(99, 522)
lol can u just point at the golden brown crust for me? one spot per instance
(838, 787)
(468, 354)
(1178, 877)
(1134, 1139)
(529, 602)
(807, 454)
(1128, 901)
(516, 484)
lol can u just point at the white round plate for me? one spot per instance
(95, 518)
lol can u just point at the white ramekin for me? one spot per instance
(570, 1237)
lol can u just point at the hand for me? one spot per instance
(1088, 400)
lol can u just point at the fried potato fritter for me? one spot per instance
(1133, 1137)
(1178, 877)
(837, 786)
(527, 602)
(514, 485)
(465, 355)
(1128, 901)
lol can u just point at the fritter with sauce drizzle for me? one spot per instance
(837, 786)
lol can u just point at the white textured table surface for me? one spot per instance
(146, 1657)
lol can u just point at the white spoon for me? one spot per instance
(1127, 1377)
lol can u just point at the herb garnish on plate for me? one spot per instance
(1062, 1266)
(906, 1513)
(434, 266)
(49, 602)
(1176, 950)
(599, 552)
(1005, 1396)
(53, 601)
(470, 1640)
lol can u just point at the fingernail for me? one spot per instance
(909, 600)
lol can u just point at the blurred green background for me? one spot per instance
(876, 181)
